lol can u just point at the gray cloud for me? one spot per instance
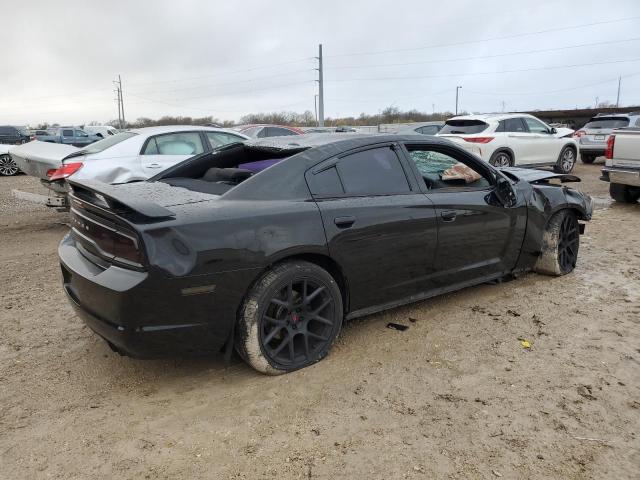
(230, 58)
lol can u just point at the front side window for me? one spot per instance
(440, 170)
(217, 139)
(182, 143)
(536, 126)
(373, 172)
(80, 133)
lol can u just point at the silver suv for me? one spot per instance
(592, 138)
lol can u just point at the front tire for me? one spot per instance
(8, 167)
(588, 159)
(560, 245)
(290, 318)
(501, 159)
(566, 160)
(624, 193)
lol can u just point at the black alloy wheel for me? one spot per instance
(568, 243)
(298, 322)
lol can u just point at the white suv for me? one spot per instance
(513, 139)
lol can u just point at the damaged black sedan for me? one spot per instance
(268, 246)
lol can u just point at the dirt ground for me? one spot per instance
(454, 396)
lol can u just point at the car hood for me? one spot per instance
(35, 158)
(533, 176)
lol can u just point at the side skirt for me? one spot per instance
(422, 296)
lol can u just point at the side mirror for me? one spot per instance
(505, 193)
(553, 131)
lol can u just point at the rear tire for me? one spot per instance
(588, 159)
(501, 158)
(560, 245)
(566, 160)
(8, 167)
(289, 319)
(624, 193)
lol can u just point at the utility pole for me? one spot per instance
(457, 88)
(320, 89)
(597, 100)
(503, 105)
(117, 92)
(315, 106)
(124, 123)
(618, 98)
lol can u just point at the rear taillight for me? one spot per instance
(478, 139)
(64, 171)
(579, 133)
(608, 153)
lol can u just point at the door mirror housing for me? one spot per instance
(553, 131)
(505, 192)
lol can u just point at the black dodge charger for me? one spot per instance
(268, 246)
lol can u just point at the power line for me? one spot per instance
(480, 57)
(555, 67)
(569, 89)
(216, 85)
(490, 39)
(263, 67)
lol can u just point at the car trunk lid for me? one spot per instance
(37, 158)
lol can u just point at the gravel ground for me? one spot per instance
(454, 396)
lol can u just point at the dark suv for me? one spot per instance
(13, 135)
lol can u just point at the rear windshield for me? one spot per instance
(101, 145)
(464, 126)
(607, 122)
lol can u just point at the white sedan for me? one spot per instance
(510, 139)
(129, 156)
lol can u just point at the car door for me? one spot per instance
(81, 138)
(547, 145)
(519, 140)
(160, 152)
(66, 136)
(381, 229)
(478, 237)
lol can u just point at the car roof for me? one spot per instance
(494, 117)
(341, 141)
(178, 128)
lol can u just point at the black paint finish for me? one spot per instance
(202, 253)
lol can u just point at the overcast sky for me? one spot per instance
(226, 59)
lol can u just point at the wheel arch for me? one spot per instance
(507, 150)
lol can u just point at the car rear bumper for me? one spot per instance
(621, 175)
(592, 150)
(145, 314)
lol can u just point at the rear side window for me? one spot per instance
(607, 123)
(327, 183)
(278, 132)
(511, 125)
(464, 127)
(429, 130)
(182, 143)
(67, 133)
(217, 139)
(372, 172)
(6, 130)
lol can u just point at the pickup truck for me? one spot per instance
(69, 136)
(622, 166)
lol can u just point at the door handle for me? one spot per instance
(449, 215)
(344, 222)
(154, 165)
